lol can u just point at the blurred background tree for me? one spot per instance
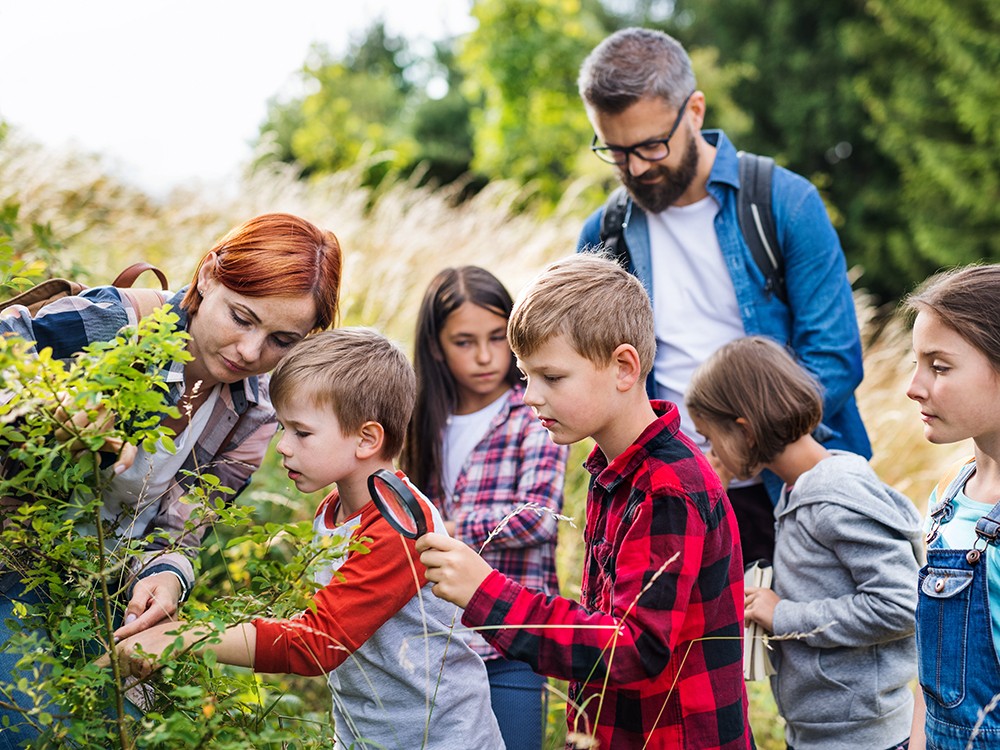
(380, 104)
(930, 93)
(521, 63)
(891, 115)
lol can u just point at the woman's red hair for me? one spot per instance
(277, 255)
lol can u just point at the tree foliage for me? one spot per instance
(886, 105)
(930, 89)
(26, 257)
(354, 108)
(522, 62)
(58, 539)
(797, 87)
(373, 106)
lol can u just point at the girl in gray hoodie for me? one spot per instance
(846, 554)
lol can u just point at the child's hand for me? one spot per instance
(759, 604)
(153, 642)
(453, 566)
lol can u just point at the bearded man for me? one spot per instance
(685, 245)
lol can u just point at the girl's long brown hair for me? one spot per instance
(437, 392)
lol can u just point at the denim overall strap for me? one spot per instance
(943, 509)
(988, 528)
(958, 664)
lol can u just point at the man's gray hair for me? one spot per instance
(634, 64)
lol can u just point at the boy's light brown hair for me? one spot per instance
(591, 300)
(358, 373)
(756, 379)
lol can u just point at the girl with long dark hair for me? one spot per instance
(487, 462)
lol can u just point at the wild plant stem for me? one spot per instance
(109, 623)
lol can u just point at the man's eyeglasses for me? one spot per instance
(654, 150)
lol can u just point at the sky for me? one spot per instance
(172, 92)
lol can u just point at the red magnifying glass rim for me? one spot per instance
(397, 503)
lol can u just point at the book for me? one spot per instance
(756, 653)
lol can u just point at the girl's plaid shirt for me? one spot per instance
(515, 463)
(653, 651)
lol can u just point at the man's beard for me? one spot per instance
(670, 186)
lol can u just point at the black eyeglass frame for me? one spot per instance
(627, 151)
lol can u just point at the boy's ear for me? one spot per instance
(371, 437)
(747, 432)
(625, 360)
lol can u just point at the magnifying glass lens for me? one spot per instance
(392, 505)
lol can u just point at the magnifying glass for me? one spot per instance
(396, 500)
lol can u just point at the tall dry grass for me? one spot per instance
(394, 242)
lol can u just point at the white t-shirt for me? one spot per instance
(462, 433)
(694, 303)
(132, 498)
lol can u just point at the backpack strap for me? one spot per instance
(143, 301)
(127, 277)
(614, 222)
(756, 218)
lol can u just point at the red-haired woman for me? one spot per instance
(263, 287)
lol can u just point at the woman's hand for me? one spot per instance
(154, 599)
(758, 606)
(76, 421)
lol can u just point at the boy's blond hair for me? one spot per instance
(594, 302)
(356, 372)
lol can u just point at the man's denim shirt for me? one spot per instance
(818, 323)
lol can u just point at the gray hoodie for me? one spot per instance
(845, 566)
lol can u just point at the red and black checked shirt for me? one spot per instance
(654, 650)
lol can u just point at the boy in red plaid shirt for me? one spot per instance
(653, 650)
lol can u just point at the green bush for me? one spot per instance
(57, 539)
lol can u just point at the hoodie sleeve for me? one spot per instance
(883, 567)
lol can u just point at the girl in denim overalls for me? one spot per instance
(956, 341)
